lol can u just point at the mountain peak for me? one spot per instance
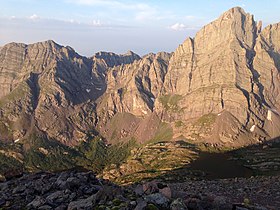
(234, 12)
(45, 44)
(129, 52)
(14, 44)
(49, 44)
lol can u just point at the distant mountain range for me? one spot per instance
(220, 88)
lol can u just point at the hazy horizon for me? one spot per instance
(90, 26)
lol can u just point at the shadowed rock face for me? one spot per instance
(220, 87)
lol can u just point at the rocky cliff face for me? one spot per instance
(49, 88)
(221, 87)
(216, 73)
(267, 65)
(132, 89)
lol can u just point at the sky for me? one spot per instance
(90, 26)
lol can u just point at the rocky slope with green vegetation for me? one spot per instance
(130, 118)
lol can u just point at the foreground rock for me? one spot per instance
(82, 190)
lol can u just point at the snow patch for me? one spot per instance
(253, 128)
(219, 114)
(43, 150)
(134, 105)
(98, 88)
(88, 90)
(144, 112)
(17, 140)
(269, 115)
(153, 99)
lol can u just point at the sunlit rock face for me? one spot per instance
(229, 66)
(220, 87)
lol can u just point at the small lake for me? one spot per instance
(220, 166)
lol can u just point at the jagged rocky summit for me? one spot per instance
(220, 88)
(220, 78)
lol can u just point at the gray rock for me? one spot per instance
(158, 199)
(194, 203)
(260, 208)
(37, 202)
(133, 203)
(4, 186)
(178, 204)
(57, 197)
(241, 208)
(19, 189)
(45, 207)
(139, 190)
(61, 207)
(166, 191)
(222, 203)
(2, 202)
(89, 190)
(72, 196)
(87, 203)
(141, 204)
(73, 182)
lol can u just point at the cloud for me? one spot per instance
(116, 4)
(190, 17)
(178, 27)
(90, 37)
(96, 23)
(146, 12)
(93, 2)
(34, 17)
(140, 11)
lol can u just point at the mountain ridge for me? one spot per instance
(233, 42)
(220, 89)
